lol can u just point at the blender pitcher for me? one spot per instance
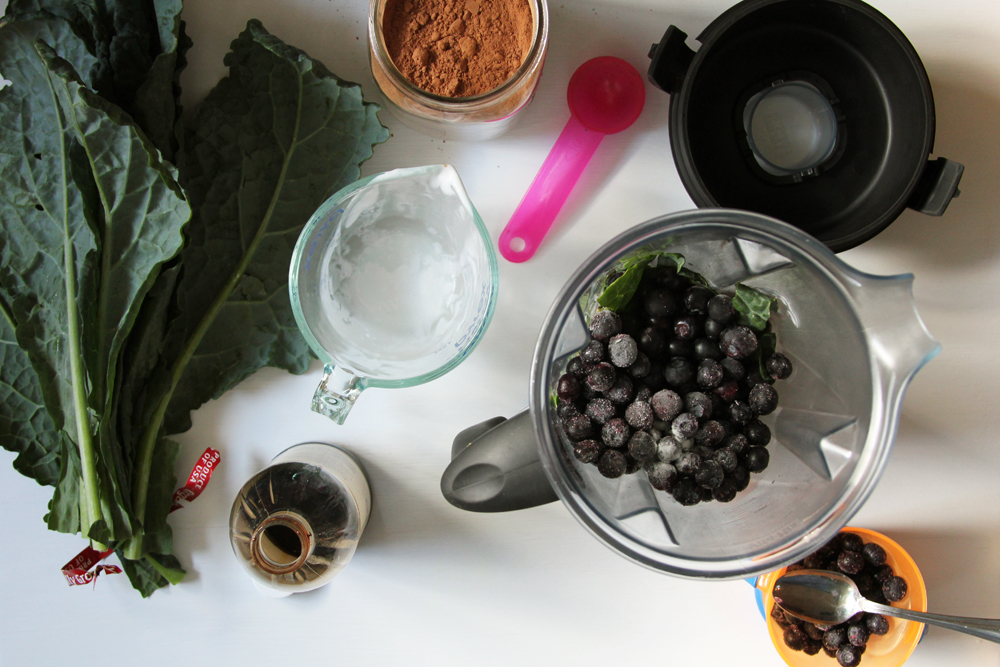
(855, 341)
(393, 282)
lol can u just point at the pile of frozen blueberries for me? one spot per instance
(865, 563)
(672, 384)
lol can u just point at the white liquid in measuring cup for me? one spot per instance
(400, 285)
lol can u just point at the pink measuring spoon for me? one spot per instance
(605, 96)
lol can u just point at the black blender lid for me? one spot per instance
(816, 112)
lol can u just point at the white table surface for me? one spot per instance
(431, 584)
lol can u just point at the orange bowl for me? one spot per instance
(889, 650)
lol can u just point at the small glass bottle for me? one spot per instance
(473, 118)
(296, 524)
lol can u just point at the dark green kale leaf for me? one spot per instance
(269, 144)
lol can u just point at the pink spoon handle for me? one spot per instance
(548, 192)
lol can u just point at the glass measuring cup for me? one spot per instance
(393, 282)
(855, 341)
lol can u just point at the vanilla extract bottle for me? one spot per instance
(296, 524)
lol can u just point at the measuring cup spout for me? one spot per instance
(337, 392)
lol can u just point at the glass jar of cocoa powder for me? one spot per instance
(457, 69)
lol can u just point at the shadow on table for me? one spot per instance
(959, 570)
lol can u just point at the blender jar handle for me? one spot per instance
(670, 59)
(337, 392)
(496, 467)
(937, 186)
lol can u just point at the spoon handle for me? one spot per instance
(984, 628)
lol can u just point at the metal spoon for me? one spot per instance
(828, 598)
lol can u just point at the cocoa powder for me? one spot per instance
(457, 48)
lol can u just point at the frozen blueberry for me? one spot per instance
(616, 433)
(644, 394)
(726, 491)
(703, 451)
(622, 391)
(593, 353)
(756, 459)
(835, 636)
(778, 366)
(601, 377)
(712, 329)
(894, 589)
(812, 647)
(686, 492)
(740, 413)
(680, 348)
(726, 458)
(850, 541)
(576, 367)
(661, 475)
(668, 449)
(600, 410)
(794, 638)
(698, 404)
(605, 324)
(678, 372)
(707, 349)
(688, 463)
(883, 574)
(709, 374)
(763, 399)
(720, 308)
(850, 562)
(687, 327)
(857, 634)
(757, 433)
(641, 447)
(655, 378)
(812, 632)
(640, 367)
(653, 341)
(666, 404)
(631, 465)
(659, 303)
(612, 463)
(566, 409)
(696, 299)
(779, 616)
(587, 451)
(711, 434)
(578, 427)
(568, 387)
(684, 426)
(728, 391)
(623, 350)
(874, 554)
(848, 655)
(639, 415)
(709, 474)
(738, 342)
(741, 476)
(877, 624)
(733, 369)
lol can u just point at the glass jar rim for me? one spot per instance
(459, 104)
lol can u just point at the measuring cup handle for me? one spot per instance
(548, 192)
(337, 392)
(496, 468)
